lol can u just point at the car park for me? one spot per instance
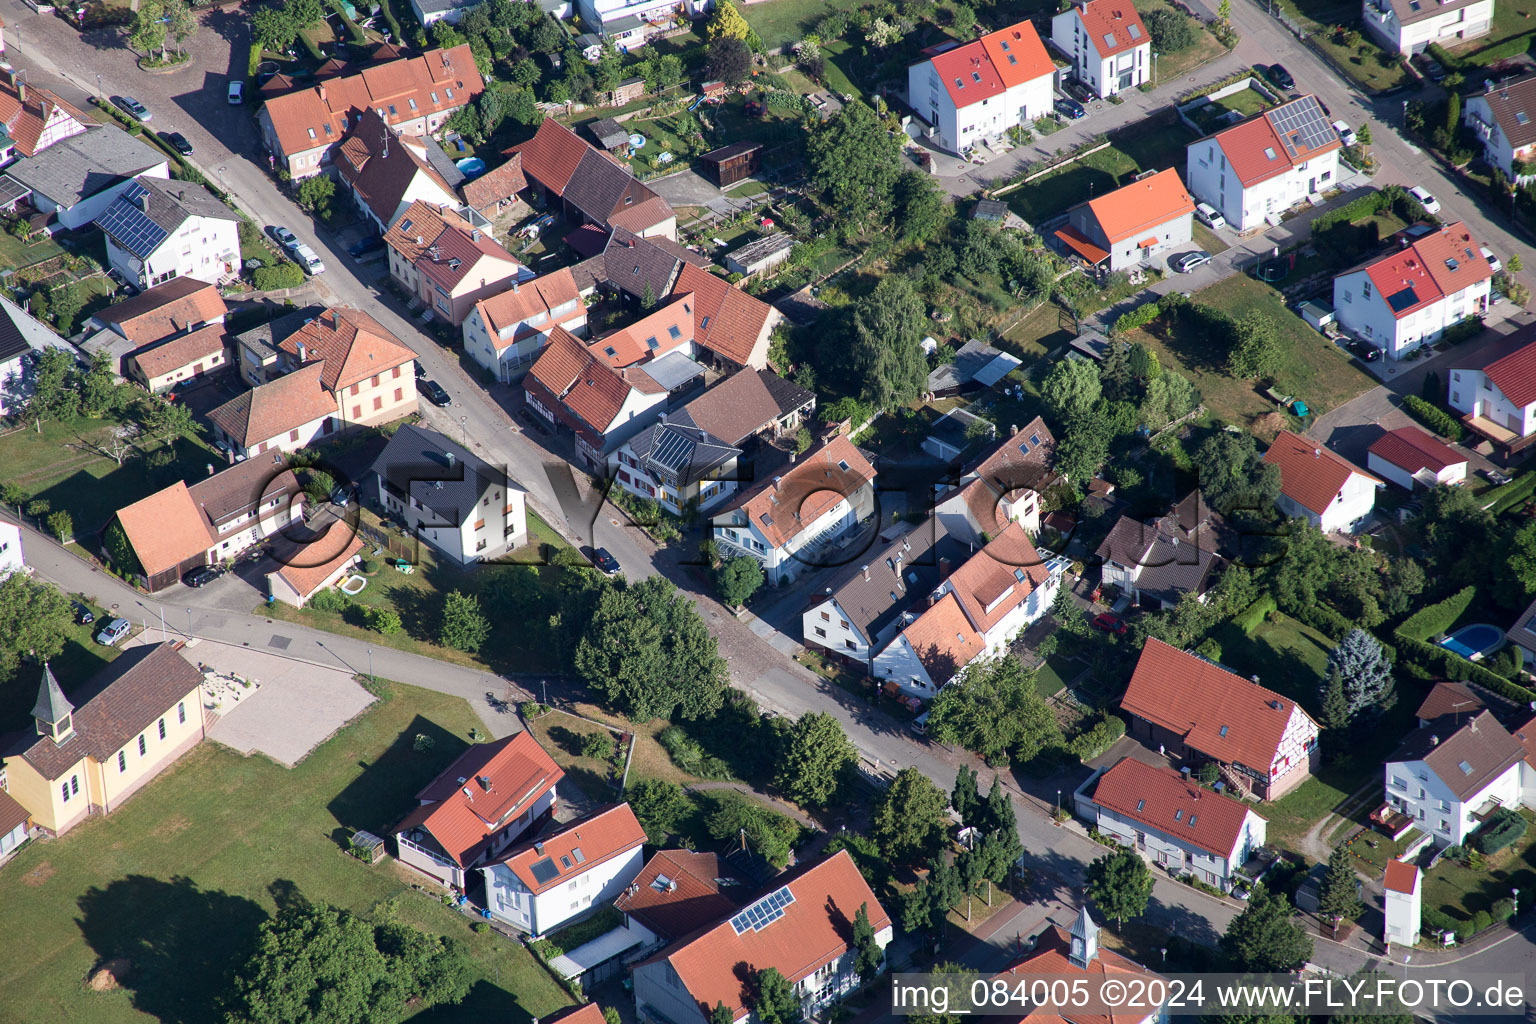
(1346, 133)
(1107, 623)
(1210, 216)
(1494, 263)
(1185, 262)
(135, 109)
(113, 632)
(434, 392)
(236, 93)
(1429, 202)
(201, 576)
(1069, 108)
(307, 258)
(1281, 77)
(604, 560)
(283, 237)
(83, 615)
(178, 142)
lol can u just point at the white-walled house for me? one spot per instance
(506, 332)
(281, 415)
(157, 229)
(791, 522)
(1408, 26)
(1255, 171)
(1504, 118)
(477, 808)
(584, 865)
(11, 555)
(1319, 486)
(1158, 561)
(976, 92)
(800, 927)
(1402, 903)
(1002, 485)
(79, 177)
(1131, 225)
(1411, 458)
(1498, 399)
(1109, 47)
(1164, 814)
(1449, 783)
(1407, 297)
(623, 21)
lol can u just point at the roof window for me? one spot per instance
(609, 352)
(651, 344)
(1269, 152)
(1109, 39)
(1141, 804)
(1192, 820)
(312, 133)
(449, 92)
(1004, 45)
(412, 102)
(842, 464)
(1178, 815)
(1034, 438)
(704, 324)
(435, 99)
(1223, 732)
(1521, 117)
(1466, 769)
(392, 111)
(975, 76)
(674, 332)
(1012, 59)
(959, 84)
(1134, 30)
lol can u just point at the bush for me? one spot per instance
(1252, 617)
(370, 566)
(1323, 618)
(598, 745)
(1463, 330)
(1501, 831)
(1170, 29)
(1092, 742)
(271, 279)
(1138, 317)
(1434, 921)
(383, 620)
(1209, 649)
(1432, 416)
(1437, 618)
(1481, 921)
(329, 600)
(1503, 910)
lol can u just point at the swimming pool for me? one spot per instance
(471, 165)
(1474, 641)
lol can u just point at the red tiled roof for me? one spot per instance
(530, 298)
(669, 327)
(1404, 283)
(1257, 148)
(585, 386)
(504, 182)
(12, 813)
(459, 252)
(782, 507)
(727, 320)
(943, 640)
(1081, 244)
(165, 309)
(352, 345)
(968, 74)
(1163, 799)
(1411, 449)
(1217, 713)
(998, 578)
(1449, 698)
(1017, 54)
(307, 567)
(382, 172)
(26, 117)
(1401, 877)
(165, 529)
(812, 933)
(1515, 375)
(1451, 255)
(1143, 205)
(643, 215)
(676, 892)
(1112, 26)
(552, 155)
(161, 357)
(579, 846)
(417, 228)
(272, 409)
(1052, 956)
(461, 816)
(1310, 474)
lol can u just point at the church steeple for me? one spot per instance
(1085, 939)
(53, 712)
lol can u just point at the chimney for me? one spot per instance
(210, 469)
(944, 568)
(322, 94)
(21, 92)
(865, 570)
(451, 459)
(514, 286)
(474, 235)
(1013, 429)
(1184, 772)
(144, 202)
(303, 352)
(538, 847)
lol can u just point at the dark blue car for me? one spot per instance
(1069, 108)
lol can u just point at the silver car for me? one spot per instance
(1184, 262)
(113, 632)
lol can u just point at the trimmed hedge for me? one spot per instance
(1138, 317)
(1500, 832)
(1325, 620)
(1437, 618)
(1444, 664)
(284, 275)
(1432, 416)
(1092, 742)
(1462, 330)
(1513, 493)
(1252, 617)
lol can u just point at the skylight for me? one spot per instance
(1109, 39)
(1223, 731)
(1178, 815)
(1269, 151)
(1141, 804)
(1034, 438)
(842, 465)
(1466, 769)
(1192, 820)
(1521, 118)
(975, 76)
(1134, 30)
(674, 331)
(1012, 59)
(959, 84)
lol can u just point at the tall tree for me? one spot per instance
(729, 59)
(34, 621)
(994, 710)
(964, 797)
(854, 162)
(1115, 372)
(721, 1014)
(180, 22)
(1340, 895)
(1333, 709)
(878, 354)
(910, 818)
(738, 578)
(867, 952)
(168, 421)
(921, 209)
(147, 31)
(816, 754)
(1362, 666)
(463, 628)
(773, 999)
(726, 22)
(1263, 938)
(1233, 474)
(1000, 814)
(1121, 884)
(1071, 388)
(659, 806)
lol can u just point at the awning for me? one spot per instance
(1079, 243)
(1147, 243)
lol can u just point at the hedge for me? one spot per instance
(1252, 617)
(1138, 317)
(1437, 618)
(1324, 619)
(1092, 742)
(1499, 51)
(284, 275)
(1463, 330)
(1445, 664)
(1500, 831)
(1357, 209)
(396, 35)
(1432, 416)
(1512, 494)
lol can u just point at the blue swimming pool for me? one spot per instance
(471, 165)
(1474, 641)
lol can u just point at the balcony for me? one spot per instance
(1391, 820)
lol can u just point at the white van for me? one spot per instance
(307, 258)
(1209, 217)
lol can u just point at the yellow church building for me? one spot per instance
(135, 717)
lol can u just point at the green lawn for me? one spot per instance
(1046, 328)
(840, 73)
(1510, 19)
(1314, 370)
(17, 255)
(1462, 892)
(178, 879)
(1181, 62)
(786, 21)
(1288, 656)
(1155, 146)
(1209, 240)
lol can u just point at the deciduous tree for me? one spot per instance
(659, 805)
(1233, 475)
(729, 60)
(994, 710)
(910, 818)
(1071, 388)
(34, 620)
(854, 162)
(738, 579)
(463, 628)
(1255, 348)
(1120, 883)
(921, 209)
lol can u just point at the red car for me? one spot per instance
(1110, 624)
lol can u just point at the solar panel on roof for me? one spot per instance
(1403, 299)
(544, 871)
(1302, 124)
(672, 451)
(126, 221)
(764, 912)
(11, 190)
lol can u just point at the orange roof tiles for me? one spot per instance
(1143, 205)
(1082, 244)
(381, 171)
(643, 215)
(163, 310)
(272, 409)
(484, 192)
(943, 639)
(676, 892)
(999, 577)
(460, 251)
(727, 320)
(812, 933)
(352, 345)
(519, 303)
(579, 846)
(307, 567)
(417, 228)
(1258, 150)
(165, 529)
(1401, 877)
(1515, 375)
(26, 110)
(161, 357)
(782, 507)
(1217, 713)
(1411, 449)
(501, 780)
(1112, 26)
(1163, 799)
(1452, 258)
(573, 379)
(1310, 474)
(1051, 956)
(1018, 54)
(968, 74)
(663, 330)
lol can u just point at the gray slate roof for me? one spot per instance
(974, 357)
(52, 706)
(901, 576)
(83, 165)
(679, 454)
(673, 370)
(440, 474)
(153, 209)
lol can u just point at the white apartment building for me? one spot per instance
(1255, 171)
(506, 332)
(157, 229)
(1504, 118)
(1110, 48)
(1408, 26)
(1450, 784)
(976, 92)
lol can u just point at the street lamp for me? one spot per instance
(221, 179)
(1516, 894)
(1406, 958)
(463, 429)
(100, 93)
(189, 623)
(1164, 951)
(370, 666)
(1058, 803)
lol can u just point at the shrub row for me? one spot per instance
(1432, 416)
(1446, 665)
(1463, 330)
(1512, 494)
(1435, 619)
(1252, 617)
(1090, 743)
(1357, 209)
(1325, 620)
(283, 275)
(1138, 317)
(1501, 831)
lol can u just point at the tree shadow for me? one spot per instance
(486, 1001)
(568, 740)
(183, 943)
(387, 788)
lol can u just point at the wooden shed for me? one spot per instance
(730, 164)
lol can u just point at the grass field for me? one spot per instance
(786, 21)
(178, 879)
(1288, 656)
(1462, 892)
(1157, 147)
(1314, 370)
(16, 254)
(1368, 64)
(1180, 62)
(1510, 19)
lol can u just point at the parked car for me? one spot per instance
(339, 497)
(1184, 262)
(1210, 216)
(1108, 623)
(83, 615)
(434, 392)
(1069, 108)
(1429, 202)
(1494, 263)
(307, 258)
(920, 723)
(1364, 351)
(1346, 133)
(1240, 891)
(373, 243)
(236, 93)
(1281, 77)
(604, 560)
(421, 371)
(1078, 91)
(178, 142)
(1431, 67)
(283, 237)
(113, 632)
(201, 576)
(135, 109)
(1495, 477)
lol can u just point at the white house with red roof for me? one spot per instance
(446, 263)
(1255, 171)
(1319, 486)
(603, 405)
(1198, 711)
(1109, 47)
(976, 92)
(1411, 458)
(583, 865)
(1407, 297)
(801, 927)
(505, 332)
(1402, 903)
(1498, 399)
(1003, 485)
(476, 809)
(1131, 225)
(1164, 814)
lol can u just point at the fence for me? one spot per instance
(1069, 161)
